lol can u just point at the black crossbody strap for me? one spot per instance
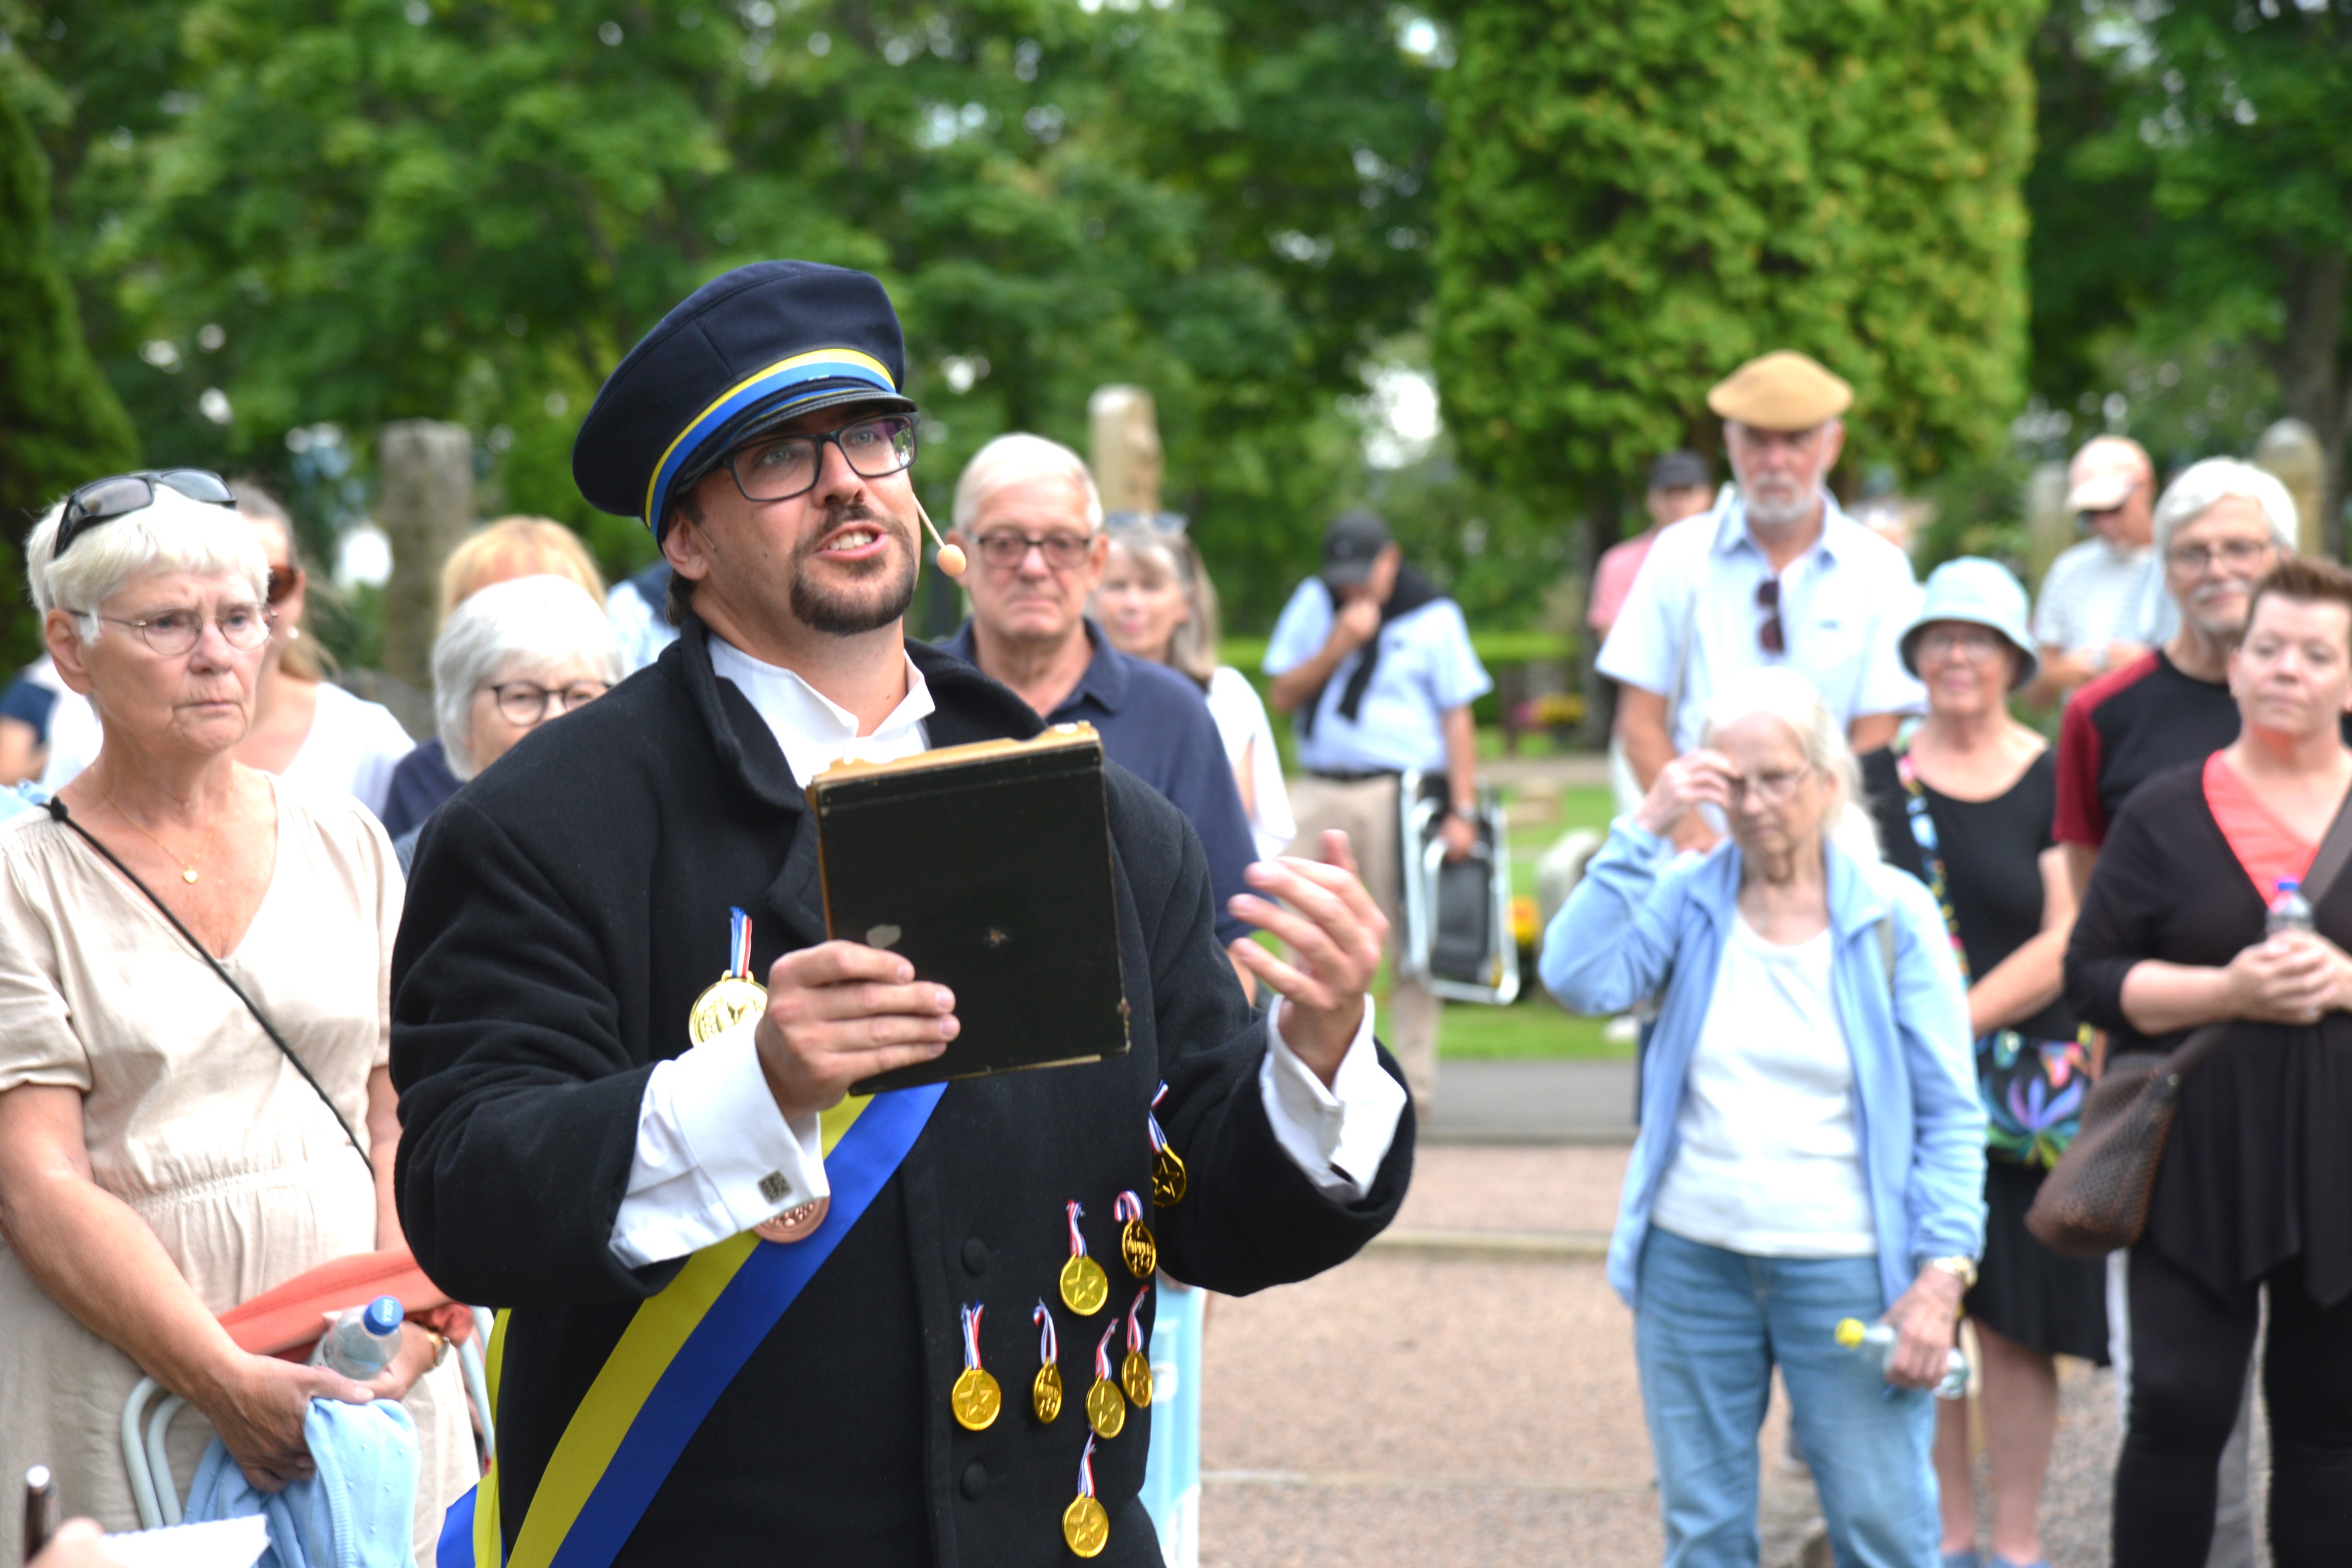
(57, 810)
(2333, 850)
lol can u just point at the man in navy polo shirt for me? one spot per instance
(1029, 518)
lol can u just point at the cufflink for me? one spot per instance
(774, 1187)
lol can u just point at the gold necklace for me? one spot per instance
(187, 867)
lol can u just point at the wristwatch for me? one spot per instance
(1958, 1266)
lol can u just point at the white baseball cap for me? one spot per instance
(2104, 472)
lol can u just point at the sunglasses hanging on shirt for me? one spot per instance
(1771, 633)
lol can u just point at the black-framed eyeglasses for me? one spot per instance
(1004, 547)
(527, 702)
(1771, 635)
(778, 468)
(119, 495)
(174, 632)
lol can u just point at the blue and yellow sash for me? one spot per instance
(678, 1353)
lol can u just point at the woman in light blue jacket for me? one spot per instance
(1812, 1145)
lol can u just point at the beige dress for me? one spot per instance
(194, 1120)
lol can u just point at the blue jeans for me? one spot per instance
(1710, 1327)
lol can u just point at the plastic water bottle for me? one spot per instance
(1875, 1342)
(360, 1341)
(2290, 911)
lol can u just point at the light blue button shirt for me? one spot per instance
(1427, 667)
(1844, 606)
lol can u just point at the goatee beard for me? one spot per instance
(851, 615)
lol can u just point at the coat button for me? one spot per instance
(975, 1257)
(975, 1478)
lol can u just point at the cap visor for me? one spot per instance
(2101, 494)
(1346, 573)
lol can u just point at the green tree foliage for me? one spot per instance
(372, 209)
(1635, 199)
(2229, 114)
(60, 422)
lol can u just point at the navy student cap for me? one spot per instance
(748, 350)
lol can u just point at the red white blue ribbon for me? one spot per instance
(1078, 1240)
(738, 944)
(1102, 1352)
(972, 1336)
(1086, 1468)
(1159, 1139)
(1135, 1319)
(1049, 1348)
(1129, 1207)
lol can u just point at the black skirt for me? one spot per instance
(2026, 1292)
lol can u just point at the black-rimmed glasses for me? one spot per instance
(103, 500)
(526, 702)
(174, 632)
(1774, 639)
(778, 468)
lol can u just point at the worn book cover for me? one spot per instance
(988, 867)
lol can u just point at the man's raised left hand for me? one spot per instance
(1331, 932)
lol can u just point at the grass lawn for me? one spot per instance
(1530, 1028)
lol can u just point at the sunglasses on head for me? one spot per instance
(1164, 524)
(103, 500)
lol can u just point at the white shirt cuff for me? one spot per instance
(714, 1156)
(1338, 1135)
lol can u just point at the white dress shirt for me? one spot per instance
(715, 1156)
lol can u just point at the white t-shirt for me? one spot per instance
(1770, 1157)
(1241, 720)
(351, 749)
(2094, 595)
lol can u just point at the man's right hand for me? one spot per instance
(839, 1012)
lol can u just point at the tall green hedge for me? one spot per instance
(60, 422)
(1634, 199)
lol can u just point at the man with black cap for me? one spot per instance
(1376, 666)
(742, 1315)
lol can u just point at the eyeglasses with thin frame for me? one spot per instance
(2238, 554)
(526, 702)
(120, 495)
(1974, 642)
(1773, 638)
(1771, 789)
(176, 633)
(1004, 547)
(778, 468)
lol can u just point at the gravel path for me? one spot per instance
(1424, 1412)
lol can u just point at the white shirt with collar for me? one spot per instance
(715, 1156)
(1693, 609)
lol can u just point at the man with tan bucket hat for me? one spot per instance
(1777, 575)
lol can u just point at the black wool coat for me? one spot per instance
(566, 908)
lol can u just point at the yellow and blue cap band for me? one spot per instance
(762, 387)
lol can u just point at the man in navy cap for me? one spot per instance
(736, 1303)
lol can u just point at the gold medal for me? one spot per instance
(735, 996)
(975, 1398)
(794, 1223)
(1135, 1369)
(1167, 1179)
(1045, 1393)
(1135, 1377)
(1136, 1249)
(1106, 1406)
(1084, 1526)
(1167, 1170)
(1084, 1286)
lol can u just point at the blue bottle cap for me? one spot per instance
(382, 1315)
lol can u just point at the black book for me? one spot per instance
(987, 867)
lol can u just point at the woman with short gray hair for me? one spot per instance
(1812, 1147)
(511, 657)
(166, 1154)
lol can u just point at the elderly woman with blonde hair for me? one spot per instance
(1812, 1145)
(163, 1155)
(508, 659)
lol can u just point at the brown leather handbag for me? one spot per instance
(2095, 1200)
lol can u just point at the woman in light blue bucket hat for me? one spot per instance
(1965, 803)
